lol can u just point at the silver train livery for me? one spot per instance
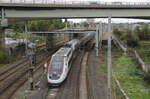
(60, 64)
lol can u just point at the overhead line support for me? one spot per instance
(109, 58)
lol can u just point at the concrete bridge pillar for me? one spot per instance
(2, 39)
(100, 34)
(70, 36)
(97, 40)
(49, 41)
(98, 37)
(66, 28)
(4, 25)
(66, 24)
(75, 36)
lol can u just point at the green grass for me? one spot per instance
(144, 51)
(129, 74)
(131, 78)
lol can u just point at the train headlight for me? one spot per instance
(45, 65)
(58, 75)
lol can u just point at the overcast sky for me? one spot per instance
(114, 20)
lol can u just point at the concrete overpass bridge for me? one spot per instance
(21, 11)
(35, 10)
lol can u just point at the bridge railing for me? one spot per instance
(75, 2)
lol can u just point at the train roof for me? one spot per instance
(62, 52)
(72, 41)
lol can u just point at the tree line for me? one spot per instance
(132, 37)
(18, 28)
(38, 25)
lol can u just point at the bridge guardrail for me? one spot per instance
(74, 2)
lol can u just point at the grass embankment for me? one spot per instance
(144, 51)
(129, 74)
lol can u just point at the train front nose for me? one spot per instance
(54, 76)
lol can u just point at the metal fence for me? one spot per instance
(75, 2)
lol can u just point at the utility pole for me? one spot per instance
(30, 53)
(26, 37)
(97, 40)
(100, 34)
(109, 57)
(32, 63)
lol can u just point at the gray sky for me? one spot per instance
(114, 20)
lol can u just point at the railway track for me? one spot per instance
(15, 69)
(11, 72)
(70, 87)
(13, 80)
(89, 82)
(15, 65)
(12, 68)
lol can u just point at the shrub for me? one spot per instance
(127, 35)
(4, 58)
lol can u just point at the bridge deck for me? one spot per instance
(25, 11)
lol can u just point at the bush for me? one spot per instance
(117, 32)
(127, 35)
(4, 58)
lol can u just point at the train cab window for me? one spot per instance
(56, 64)
(67, 45)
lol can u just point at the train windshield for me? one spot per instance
(56, 65)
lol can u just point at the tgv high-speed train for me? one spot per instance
(60, 63)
